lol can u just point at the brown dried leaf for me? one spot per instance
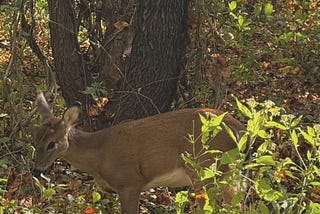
(119, 25)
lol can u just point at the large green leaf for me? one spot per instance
(266, 160)
(230, 156)
(266, 191)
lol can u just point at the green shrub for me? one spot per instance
(278, 159)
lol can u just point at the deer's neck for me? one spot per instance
(83, 150)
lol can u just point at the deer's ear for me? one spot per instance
(71, 115)
(43, 107)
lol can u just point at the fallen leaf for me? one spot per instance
(119, 25)
(89, 210)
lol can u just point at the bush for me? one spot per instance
(278, 160)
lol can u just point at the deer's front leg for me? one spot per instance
(129, 199)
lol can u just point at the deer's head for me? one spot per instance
(51, 138)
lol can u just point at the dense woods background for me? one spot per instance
(128, 59)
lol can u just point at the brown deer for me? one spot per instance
(130, 157)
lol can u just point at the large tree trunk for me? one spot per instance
(69, 66)
(157, 58)
(156, 61)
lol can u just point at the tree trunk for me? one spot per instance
(69, 67)
(157, 58)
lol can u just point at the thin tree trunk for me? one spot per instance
(71, 74)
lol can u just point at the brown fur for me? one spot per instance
(130, 157)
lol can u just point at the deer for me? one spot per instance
(129, 157)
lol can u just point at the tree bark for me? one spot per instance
(157, 58)
(69, 66)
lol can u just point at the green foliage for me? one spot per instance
(96, 197)
(278, 160)
(273, 45)
(268, 9)
(74, 203)
(211, 126)
(97, 91)
(265, 43)
(47, 191)
(181, 201)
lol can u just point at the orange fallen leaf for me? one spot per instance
(89, 210)
(201, 195)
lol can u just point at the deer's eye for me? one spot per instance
(51, 146)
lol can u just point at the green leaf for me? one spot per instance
(289, 174)
(263, 147)
(263, 134)
(265, 190)
(211, 126)
(307, 137)
(230, 156)
(309, 155)
(236, 200)
(252, 166)
(266, 160)
(182, 197)
(296, 122)
(275, 111)
(203, 119)
(247, 23)
(230, 132)
(211, 197)
(181, 201)
(232, 5)
(254, 125)
(316, 170)
(275, 125)
(316, 128)
(313, 208)
(233, 16)
(294, 137)
(242, 145)
(48, 193)
(268, 9)
(240, 20)
(311, 131)
(206, 173)
(286, 37)
(315, 183)
(286, 161)
(3, 180)
(97, 90)
(263, 208)
(244, 110)
(187, 158)
(96, 197)
(218, 120)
